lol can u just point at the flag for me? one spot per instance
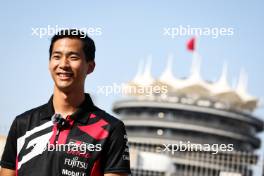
(191, 44)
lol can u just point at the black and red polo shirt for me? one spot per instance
(90, 144)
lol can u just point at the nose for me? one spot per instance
(64, 62)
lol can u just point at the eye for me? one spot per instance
(56, 57)
(74, 57)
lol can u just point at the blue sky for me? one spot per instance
(131, 30)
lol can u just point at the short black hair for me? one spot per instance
(88, 43)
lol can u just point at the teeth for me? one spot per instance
(64, 74)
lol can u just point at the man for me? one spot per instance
(69, 135)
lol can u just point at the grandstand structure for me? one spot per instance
(2, 145)
(192, 112)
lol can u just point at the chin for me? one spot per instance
(64, 88)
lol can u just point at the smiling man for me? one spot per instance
(69, 135)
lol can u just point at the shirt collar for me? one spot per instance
(81, 115)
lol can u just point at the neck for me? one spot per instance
(66, 103)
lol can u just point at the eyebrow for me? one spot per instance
(68, 53)
(72, 53)
(56, 52)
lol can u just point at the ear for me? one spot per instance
(49, 66)
(91, 66)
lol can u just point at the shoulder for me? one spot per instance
(29, 119)
(37, 111)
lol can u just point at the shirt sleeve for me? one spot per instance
(9, 155)
(116, 154)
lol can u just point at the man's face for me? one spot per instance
(68, 66)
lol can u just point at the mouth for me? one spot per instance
(64, 75)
